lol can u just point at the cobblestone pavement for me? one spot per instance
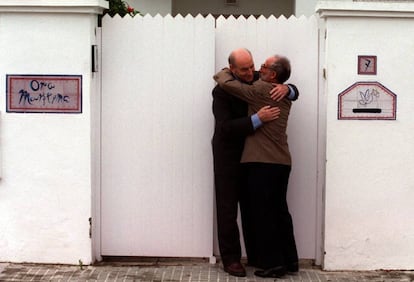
(184, 271)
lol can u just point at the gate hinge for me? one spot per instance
(94, 63)
(90, 227)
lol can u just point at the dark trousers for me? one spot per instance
(228, 186)
(269, 226)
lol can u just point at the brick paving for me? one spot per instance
(178, 271)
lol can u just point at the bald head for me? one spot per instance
(241, 64)
(238, 55)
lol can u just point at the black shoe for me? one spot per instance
(293, 267)
(235, 269)
(274, 272)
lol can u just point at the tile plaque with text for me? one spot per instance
(44, 93)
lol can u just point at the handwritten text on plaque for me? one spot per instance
(44, 93)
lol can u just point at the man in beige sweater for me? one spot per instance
(267, 157)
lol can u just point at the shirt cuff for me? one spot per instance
(256, 121)
(292, 93)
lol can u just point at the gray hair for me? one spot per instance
(282, 67)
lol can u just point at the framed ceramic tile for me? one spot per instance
(367, 65)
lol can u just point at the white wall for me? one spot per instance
(369, 179)
(305, 7)
(45, 190)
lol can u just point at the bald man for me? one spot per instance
(268, 162)
(232, 125)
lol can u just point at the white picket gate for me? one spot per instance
(157, 194)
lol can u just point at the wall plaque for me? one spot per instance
(367, 100)
(367, 65)
(44, 93)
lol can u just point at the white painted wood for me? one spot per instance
(296, 38)
(96, 103)
(157, 177)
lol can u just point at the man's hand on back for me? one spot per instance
(279, 91)
(268, 113)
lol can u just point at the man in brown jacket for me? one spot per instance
(267, 157)
(232, 125)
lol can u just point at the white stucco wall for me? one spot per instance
(305, 7)
(45, 189)
(369, 180)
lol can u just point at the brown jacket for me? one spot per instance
(269, 143)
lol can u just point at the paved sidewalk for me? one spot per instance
(177, 271)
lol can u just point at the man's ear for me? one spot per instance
(274, 75)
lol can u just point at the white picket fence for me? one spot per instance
(157, 196)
